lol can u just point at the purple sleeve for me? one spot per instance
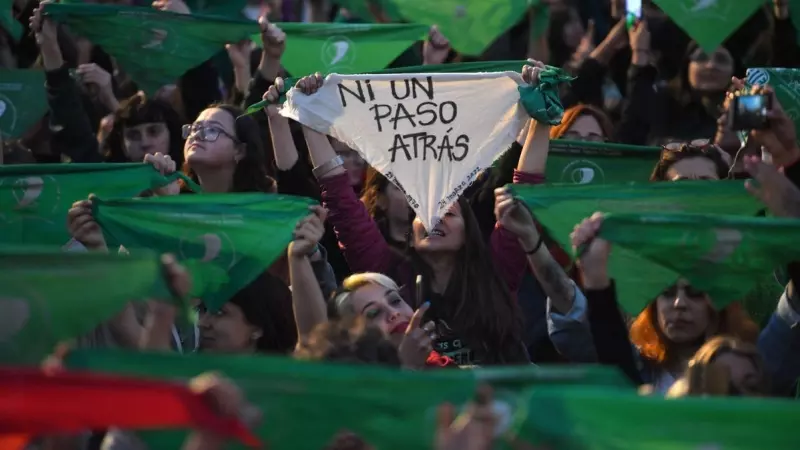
(361, 241)
(507, 254)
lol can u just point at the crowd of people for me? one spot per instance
(363, 281)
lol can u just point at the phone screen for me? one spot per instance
(633, 8)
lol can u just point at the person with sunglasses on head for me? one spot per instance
(695, 160)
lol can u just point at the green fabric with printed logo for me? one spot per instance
(154, 47)
(23, 100)
(560, 207)
(582, 418)
(709, 22)
(389, 408)
(786, 83)
(224, 240)
(470, 25)
(579, 162)
(344, 48)
(362, 399)
(49, 297)
(7, 20)
(35, 198)
(724, 256)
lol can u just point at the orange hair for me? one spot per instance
(573, 113)
(647, 336)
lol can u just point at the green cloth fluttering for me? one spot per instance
(542, 101)
(581, 418)
(470, 67)
(154, 47)
(362, 399)
(224, 240)
(560, 207)
(344, 48)
(35, 198)
(696, 17)
(23, 100)
(582, 162)
(724, 256)
(48, 297)
(470, 25)
(786, 83)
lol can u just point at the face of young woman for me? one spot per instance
(394, 202)
(573, 29)
(145, 139)
(744, 375)
(447, 236)
(697, 168)
(683, 312)
(710, 73)
(212, 140)
(585, 128)
(383, 308)
(225, 331)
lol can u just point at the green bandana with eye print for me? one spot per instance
(640, 279)
(47, 297)
(35, 198)
(224, 240)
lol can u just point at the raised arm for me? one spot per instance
(363, 244)
(307, 300)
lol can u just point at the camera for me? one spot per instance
(749, 112)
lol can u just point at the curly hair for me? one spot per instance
(349, 340)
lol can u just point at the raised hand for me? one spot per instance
(272, 96)
(165, 166)
(176, 6)
(531, 71)
(780, 138)
(308, 232)
(593, 252)
(776, 191)
(514, 216)
(43, 28)
(436, 47)
(417, 344)
(273, 39)
(82, 226)
(472, 430)
(310, 84)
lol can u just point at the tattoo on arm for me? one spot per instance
(555, 282)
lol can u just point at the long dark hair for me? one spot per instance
(137, 110)
(267, 304)
(477, 299)
(251, 173)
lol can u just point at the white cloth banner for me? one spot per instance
(429, 134)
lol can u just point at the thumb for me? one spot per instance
(416, 319)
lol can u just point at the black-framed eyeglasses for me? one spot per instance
(205, 133)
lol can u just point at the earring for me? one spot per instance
(255, 336)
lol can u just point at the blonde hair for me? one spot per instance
(341, 301)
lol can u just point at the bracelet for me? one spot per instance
(536, 247)
(324, 168)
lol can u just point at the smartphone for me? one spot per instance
(633, 12)
(749, 112)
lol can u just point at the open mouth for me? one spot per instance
(435, 233)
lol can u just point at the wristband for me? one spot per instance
(536, 247)
(325, 168)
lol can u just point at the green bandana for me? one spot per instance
(724, 256)
(35, 198)
(470, 25)
(23, 101)
(224, 240)
(48, 297)
(344, 48)
(560, 208)
(154, 47)
(584, 417)
(579, 162)
(709, 22)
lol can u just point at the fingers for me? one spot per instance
(320, 211)
(163, 163)
(586, 230)
(590, 28)
(416, 319)
(445, 417)
(737, 84)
